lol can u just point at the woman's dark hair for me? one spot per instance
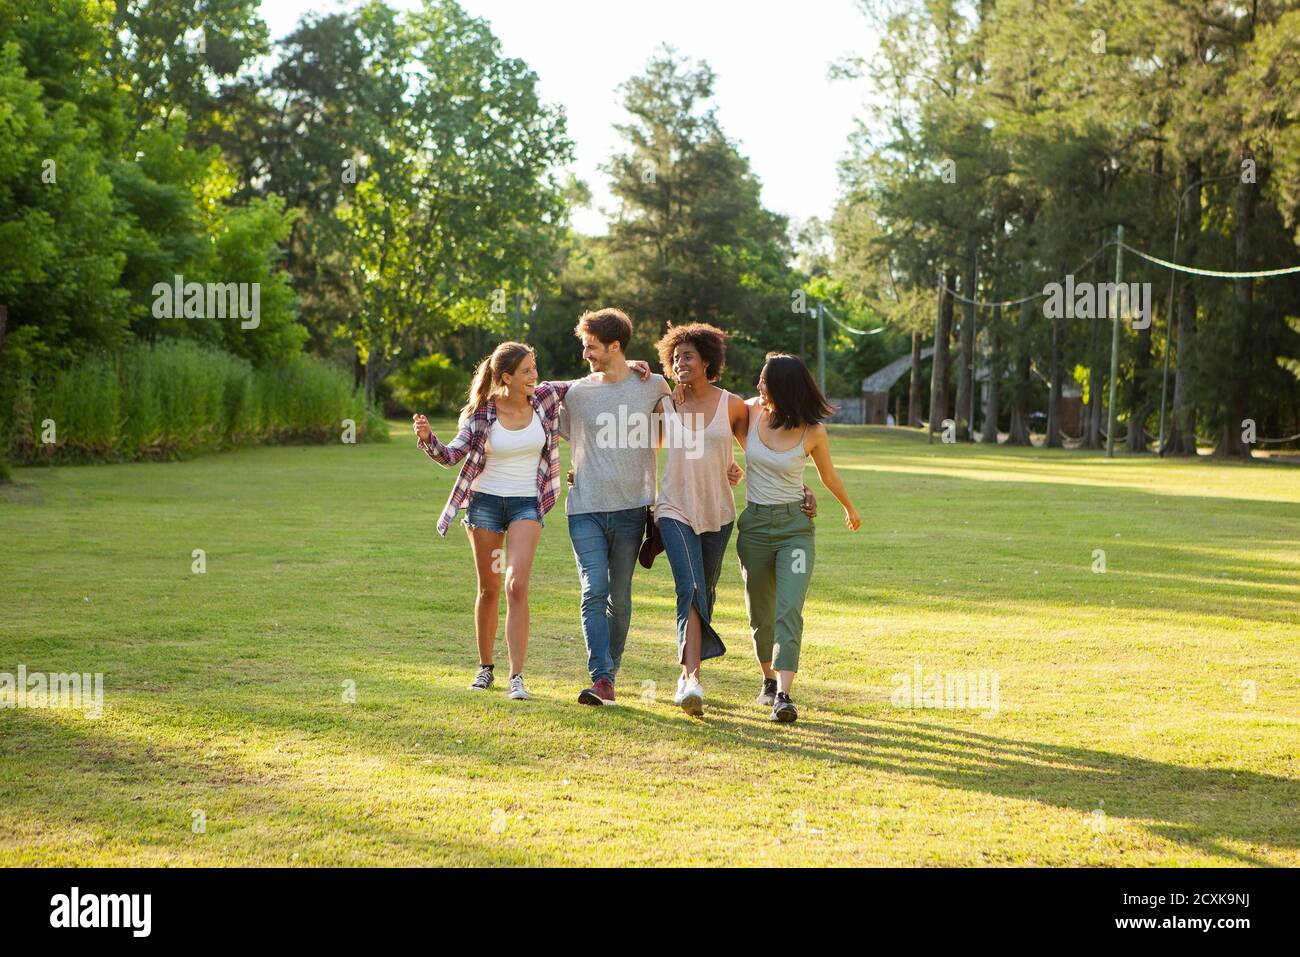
(792, 394)
(709, 341)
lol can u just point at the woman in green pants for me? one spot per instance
(775, 540)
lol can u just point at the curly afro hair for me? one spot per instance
(709, 341)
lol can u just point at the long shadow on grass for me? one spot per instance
(1202, 808)
(142, 794)
(125, 786)
(1021, 541)
(1198, 807)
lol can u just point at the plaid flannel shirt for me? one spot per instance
(470, 444)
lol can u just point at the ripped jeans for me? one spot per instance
(696, 562)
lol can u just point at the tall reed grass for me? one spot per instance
(176, 399)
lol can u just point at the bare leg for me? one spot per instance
(486, 545)
(691, 653)
(785, 680)
(767, 669)
(521, 546)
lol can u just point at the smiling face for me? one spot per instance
(688, 367)
(525, 375)
(598, 356)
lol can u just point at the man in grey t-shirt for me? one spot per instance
(609, 421)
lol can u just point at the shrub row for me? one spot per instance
(175, 399)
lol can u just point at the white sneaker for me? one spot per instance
(681, 689)
(517, 690)
(693, 697)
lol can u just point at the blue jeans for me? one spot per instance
(606, 546)
(696, 561)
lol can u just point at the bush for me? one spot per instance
(432, 385)
(175, 399)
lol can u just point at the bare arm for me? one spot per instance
(738, 412)
(657, 417)
(820, 451)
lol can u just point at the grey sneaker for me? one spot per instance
(767, 697)
(783, 709)
(517, 690)
(482, 680)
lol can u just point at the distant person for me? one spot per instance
(775, 540)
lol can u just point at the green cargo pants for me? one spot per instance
(776, 546)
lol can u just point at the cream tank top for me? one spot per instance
(772, 478)
(694, 489)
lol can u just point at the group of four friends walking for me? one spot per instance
(615, 421)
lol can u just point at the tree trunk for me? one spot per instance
(966, 350)
(1182, 424)
(1056, 376)
(991, 411)
(1238, 388)
(939, 371)
(1137, 407)
(1018, 433)
(1092, 428)
(1096, 358)
(4, 438)
(915, 413)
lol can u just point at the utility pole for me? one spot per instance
(974, 366)
(934, 366)
(1114, 340)
(821, 348)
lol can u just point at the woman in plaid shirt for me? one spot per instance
(509, 439)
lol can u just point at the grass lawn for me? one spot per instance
(1146, 716)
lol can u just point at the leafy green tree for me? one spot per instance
(691, 239)
(59, 275)
(461, 208)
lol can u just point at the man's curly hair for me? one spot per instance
(709, 341)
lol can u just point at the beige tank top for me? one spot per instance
(694, 488)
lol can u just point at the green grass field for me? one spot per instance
(1146, 716)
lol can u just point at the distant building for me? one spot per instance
(875, 387)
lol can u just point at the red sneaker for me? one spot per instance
(602, 692)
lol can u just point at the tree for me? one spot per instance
(460, 207)
(691, 237)
(59, 276)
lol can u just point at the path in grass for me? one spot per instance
(1149, 715)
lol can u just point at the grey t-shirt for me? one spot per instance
(611, 433)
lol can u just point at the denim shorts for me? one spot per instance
(496, 512)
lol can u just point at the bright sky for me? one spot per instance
(770, 58)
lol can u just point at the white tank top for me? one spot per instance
(512, 457)
(772, 478)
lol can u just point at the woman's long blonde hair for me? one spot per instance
(504, 360)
